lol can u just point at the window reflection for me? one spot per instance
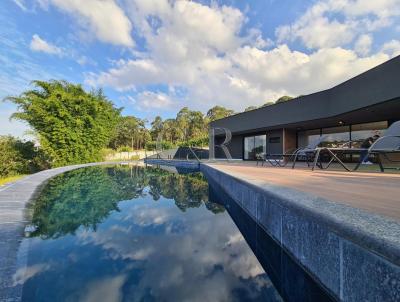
(361, 132)
(254, 145)
(306, 137)
(335, 137)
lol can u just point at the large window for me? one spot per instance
(337, 136)
(254, 145)
(361, 132)
(306, 137)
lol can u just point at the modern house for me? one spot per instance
(354, 110)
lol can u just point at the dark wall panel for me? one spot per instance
(235, 147)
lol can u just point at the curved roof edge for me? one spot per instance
(369, 88)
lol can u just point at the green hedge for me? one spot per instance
(20, 157)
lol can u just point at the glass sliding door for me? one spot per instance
(254, 145)
(248, 147)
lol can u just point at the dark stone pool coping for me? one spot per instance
(353, 253)
(13, 200)
(174, 162)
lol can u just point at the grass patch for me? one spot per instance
(8, 179)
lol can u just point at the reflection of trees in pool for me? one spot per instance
(188, 191)
(86, 196)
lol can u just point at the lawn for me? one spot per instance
(9, 179)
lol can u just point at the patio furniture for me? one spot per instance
(274, 159)
(387, 144)
(282, 160)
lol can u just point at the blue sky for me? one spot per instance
(153, 57)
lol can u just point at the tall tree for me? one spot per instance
(72, 125)
(156, 127)
(183, 120)
(218, 112)
(284, 98)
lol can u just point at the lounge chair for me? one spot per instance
(308, 153)
(387, 144)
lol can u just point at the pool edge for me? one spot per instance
(13, 201)
(351, 262)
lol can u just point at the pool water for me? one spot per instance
(136, 234)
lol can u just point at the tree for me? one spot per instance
(250, 108)
(156, 128)
(218, 112)
(283, 99)
(130, 131)
(182, 119)
(72, 125)
(19, 157)
(268, 104)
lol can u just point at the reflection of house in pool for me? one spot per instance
(354, 110)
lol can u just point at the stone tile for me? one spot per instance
(269, 216)
(313, 246)
(269, 253)
(368, 277)
(249, 202)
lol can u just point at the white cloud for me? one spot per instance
(392, 48)
(333, 23)
(149, 100)
(234, 66)
(102, 18)
(40, 45)
(363, 45)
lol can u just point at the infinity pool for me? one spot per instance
(135, 234)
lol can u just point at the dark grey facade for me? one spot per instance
(369, 100)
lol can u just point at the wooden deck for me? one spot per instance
(374, 192)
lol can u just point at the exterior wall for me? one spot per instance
(289, 140)
(235, 147)
(275, 148)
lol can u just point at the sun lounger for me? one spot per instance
(387, 144)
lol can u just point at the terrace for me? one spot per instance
(374, 192)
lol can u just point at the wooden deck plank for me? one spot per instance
(374, 192)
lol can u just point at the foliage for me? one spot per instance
(8, 179)
(195, 142)
(19, 157)
(250, 108)
(283, 99)
(268, 104)
(130, 131)
(124, 149)
(71, 124)
(189, 128)
(156, 128)
(151, 146)
(218, 112)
